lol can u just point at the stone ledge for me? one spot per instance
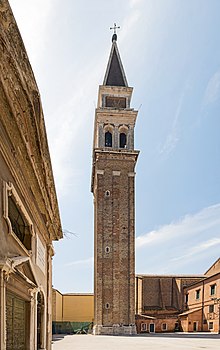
(114, 330)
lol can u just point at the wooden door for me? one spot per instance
(15, 324)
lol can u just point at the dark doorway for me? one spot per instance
(152, 328)
(195, 326)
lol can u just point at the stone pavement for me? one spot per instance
(147, 342)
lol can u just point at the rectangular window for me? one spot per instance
(211, 308)
(164, 326)
(198, 291)
(20, 225)
(213, 289)
(210, 325)
(143, 326)
(115, 102)
(187, 298)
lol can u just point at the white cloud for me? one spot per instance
(68, 134)
(212, 92)
(173, 137)
(129, 22)
(81, 263)
(183, 246)
(198, 249)
(207, 220)
(134, 3)
(32, 17)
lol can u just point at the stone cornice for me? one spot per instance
(117, 155)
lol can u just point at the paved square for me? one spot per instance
(147, 342)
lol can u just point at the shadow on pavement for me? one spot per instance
(57, 337)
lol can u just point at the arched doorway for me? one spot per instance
(40, 320)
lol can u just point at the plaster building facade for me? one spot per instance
(72, 311)
(29, 215)
(113, 185)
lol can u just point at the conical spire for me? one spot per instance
(115, 75)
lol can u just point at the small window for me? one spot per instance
(107, 249)
(107, 193)
(123, 140)
(176, 328)
(164, 326)
(213, 289)
(107, 306)
(108, 139)
(211, 308)
(198, 294)
(210, 325)
(143, 327)
(186, 298)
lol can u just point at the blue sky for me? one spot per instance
(170, 50)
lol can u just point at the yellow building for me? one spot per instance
(72, 311)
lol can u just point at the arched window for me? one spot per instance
(123, 140)
(108, 139)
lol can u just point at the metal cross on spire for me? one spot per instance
(114, 28)
(114, 36)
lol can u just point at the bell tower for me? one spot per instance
(113, 187)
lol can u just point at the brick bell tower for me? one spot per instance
(113, 187)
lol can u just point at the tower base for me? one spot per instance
(116, 329)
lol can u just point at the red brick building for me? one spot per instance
(202, 303)
(160, 300)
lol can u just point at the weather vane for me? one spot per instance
(114, 37)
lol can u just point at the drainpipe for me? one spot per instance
(202, 305)
(137, 294)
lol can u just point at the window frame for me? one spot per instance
(211, 308)
(213, 291)
(211, 325)
(162, 326)
(144, 327)
(10, 191)
(109, 133)
(198, 294)
(123, 135)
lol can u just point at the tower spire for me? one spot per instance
(115, 75)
